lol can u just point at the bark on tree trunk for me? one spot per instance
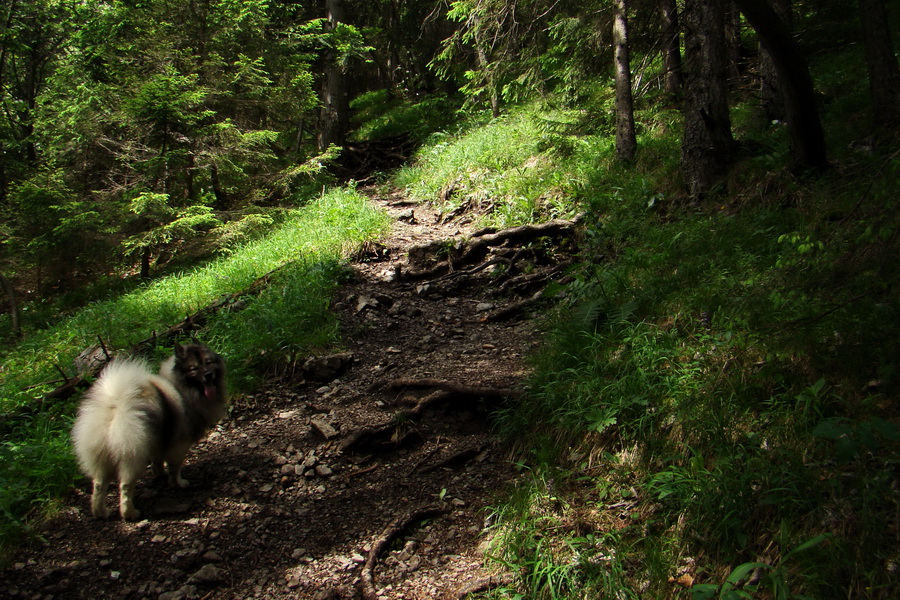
(15, 323)
(484, 65)
(221, 196)
(707, 144)
(770, 90)
(145, 263)
(884, 74)
(335, 105)
(626, 142)
(733, 43)
(672, 51)
(807, 139)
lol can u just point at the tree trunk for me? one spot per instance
(807, 139)
(707, 144)
(335, 104)
(770, 90)
(626, 143)
(145, 263)
(15, 323)
(672, 47)
(484, 65)
(733, 43)
(221, 196)
(884, 74)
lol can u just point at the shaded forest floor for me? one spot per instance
(364, 474)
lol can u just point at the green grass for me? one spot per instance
(509, 170)
(716, 392)
(725, 370)
(381, 114)
(287, 320)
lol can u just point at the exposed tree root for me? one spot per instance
(454, 460)
(477, 247)
(395, 529)
(397, 431)
(485, 584)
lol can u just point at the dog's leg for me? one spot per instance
(126, 501)
(98, 499)
(174, 460)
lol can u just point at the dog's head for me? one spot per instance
(201, 368)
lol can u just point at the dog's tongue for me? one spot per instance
(209, 390)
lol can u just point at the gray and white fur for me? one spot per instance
(131, 418)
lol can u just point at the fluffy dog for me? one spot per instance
(131, 418)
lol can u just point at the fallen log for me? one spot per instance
(189, 324)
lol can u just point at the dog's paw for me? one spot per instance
(180, 482)
(131, 514)
(100, 513)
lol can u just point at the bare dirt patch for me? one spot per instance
(370, 478)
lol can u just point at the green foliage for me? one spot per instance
(508, 170)
(380, 114)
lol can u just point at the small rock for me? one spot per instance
(327, 368)
(365, 302)
(208, 575)
(484, 307)
(323, 428)
(287, 469)
(323, 471)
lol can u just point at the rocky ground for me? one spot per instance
(369, 475)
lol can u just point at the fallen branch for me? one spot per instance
(455, 459)
(485, 584)
(511, 309)
(446, 386)
(367, 577)
(190, 323)
(385, 435)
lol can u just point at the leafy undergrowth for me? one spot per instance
(714, 411)
(289, 318)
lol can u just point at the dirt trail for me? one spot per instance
(293, 496)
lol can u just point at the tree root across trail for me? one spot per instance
(372, 478)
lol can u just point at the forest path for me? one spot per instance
(296, 494)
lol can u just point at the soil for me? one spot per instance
(370, 476)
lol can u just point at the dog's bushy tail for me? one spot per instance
(112, 435)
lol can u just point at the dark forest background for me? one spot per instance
(724, 355)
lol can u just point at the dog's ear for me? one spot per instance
(179, 350)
